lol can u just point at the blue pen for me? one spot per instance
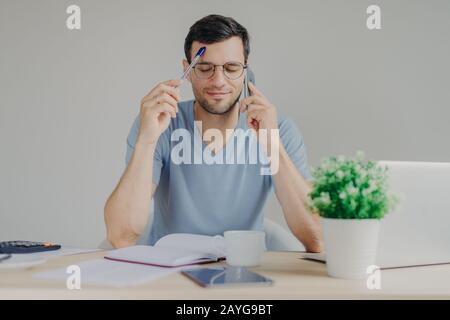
(194, 61)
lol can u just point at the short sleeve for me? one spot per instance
(294, 144)
(158, 157)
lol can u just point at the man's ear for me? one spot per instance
(185, 65)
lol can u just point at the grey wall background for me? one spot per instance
(68, 98)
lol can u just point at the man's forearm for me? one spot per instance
(292, 192)
(127, 209)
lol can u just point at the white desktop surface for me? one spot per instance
(294, 278)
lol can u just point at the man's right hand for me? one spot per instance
(157, 108)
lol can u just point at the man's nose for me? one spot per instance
(218, 79)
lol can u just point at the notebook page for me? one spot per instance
(211, 245)
(159, 256)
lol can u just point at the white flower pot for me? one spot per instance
(350, 246)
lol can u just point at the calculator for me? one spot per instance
(20, 246)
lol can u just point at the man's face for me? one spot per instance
(218, 95)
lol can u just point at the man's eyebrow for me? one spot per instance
(209, 62)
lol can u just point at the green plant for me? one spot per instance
(349, 188)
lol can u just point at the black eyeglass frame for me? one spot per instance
(244, 67)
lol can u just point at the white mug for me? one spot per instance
(244, 248)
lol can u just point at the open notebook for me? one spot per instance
(174, 250)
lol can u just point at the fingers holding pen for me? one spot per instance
(167, 87)
(157, 107)
(162, 98)
(164, 92)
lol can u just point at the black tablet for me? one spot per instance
(225, 276)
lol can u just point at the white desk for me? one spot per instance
(294, 278)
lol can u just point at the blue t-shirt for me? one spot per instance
(204, 193)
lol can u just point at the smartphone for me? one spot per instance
(226, 276)
(249, 77)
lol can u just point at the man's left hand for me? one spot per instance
(261, 114)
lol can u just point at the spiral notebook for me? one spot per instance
(174, 250)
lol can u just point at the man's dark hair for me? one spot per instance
(216, 28)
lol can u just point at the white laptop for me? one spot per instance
(417, 232)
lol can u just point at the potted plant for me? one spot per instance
(351, 196)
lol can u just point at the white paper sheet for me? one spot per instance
(110, 273)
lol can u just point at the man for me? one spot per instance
(205, 198)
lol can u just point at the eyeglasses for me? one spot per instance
(231, 70)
